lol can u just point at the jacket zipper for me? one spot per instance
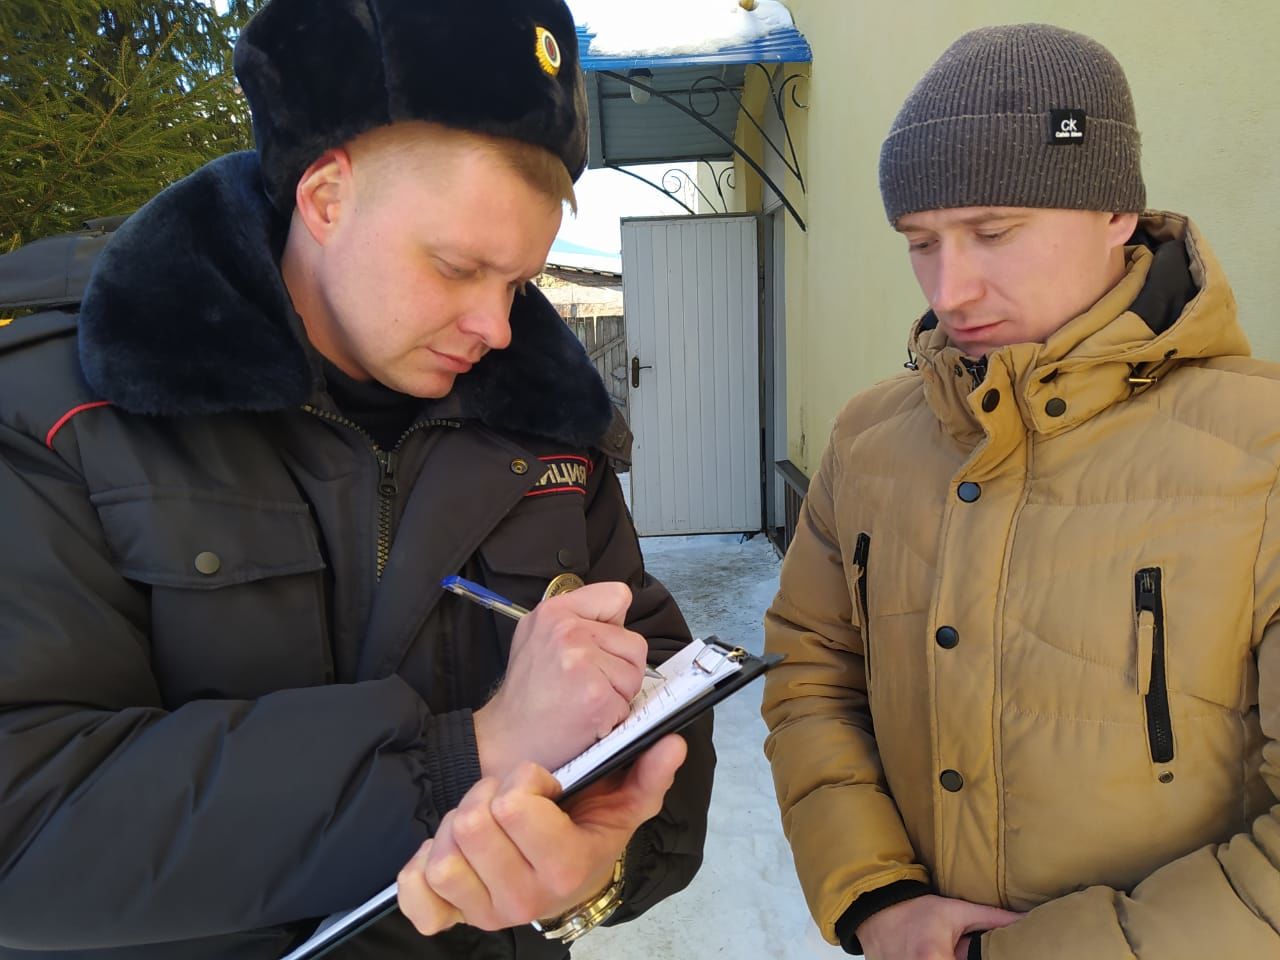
(387, 485)
(386, 499)
(861, 552)
(1152, 674)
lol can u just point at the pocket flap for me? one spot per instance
(202, 541)
(541, 538)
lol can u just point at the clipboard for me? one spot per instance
(737, 668)
(749, 667)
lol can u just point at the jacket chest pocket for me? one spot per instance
(237, 591)
(1152, 661)
(543, 538)
(858, 576)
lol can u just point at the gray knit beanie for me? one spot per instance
(1027, 115)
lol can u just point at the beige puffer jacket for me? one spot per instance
(1032, 636)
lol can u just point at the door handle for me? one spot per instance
(636, 367)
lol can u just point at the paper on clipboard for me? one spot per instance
(686, 677)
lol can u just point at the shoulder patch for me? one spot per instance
(616, 441)
(562, 473)
(38, 326)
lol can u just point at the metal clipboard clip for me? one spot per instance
(714, 652)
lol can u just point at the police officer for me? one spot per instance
(305, 384)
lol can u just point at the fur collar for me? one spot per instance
(186, 314)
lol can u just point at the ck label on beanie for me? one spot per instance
(1066, 127)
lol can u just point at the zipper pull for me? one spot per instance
(1145, 602)
(387, 473)
(860, 550)
(1146, 641)
(1146, 598)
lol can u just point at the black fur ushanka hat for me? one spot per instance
(317, 73)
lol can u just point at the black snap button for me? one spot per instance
(1056, 407)
(959, 370)
(1166, 777)
(564, 557)
(990, 400)
(519, 466)
(947, 637)
(208, 563)
(951, 781)
(968, 491)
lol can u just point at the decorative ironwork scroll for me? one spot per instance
(702, 100)
(676, 181)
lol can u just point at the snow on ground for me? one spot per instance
(668, 27)
(746, 902)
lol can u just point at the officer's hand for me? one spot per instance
(928, 928)
(572, 673)
(508, 854)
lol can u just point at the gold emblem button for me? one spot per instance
(562, 584)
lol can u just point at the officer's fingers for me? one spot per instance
(530, 780)
(479, 796)
(624, 801)
(511, 886)
(426, 910)
(651, 776)
(453, 879)
(474, 801)
(561, 856)
(626, 645)
(606, 602)
(612, 683)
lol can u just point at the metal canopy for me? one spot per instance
(624, 132)
(680, 107)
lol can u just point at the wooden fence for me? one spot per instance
(605, 339)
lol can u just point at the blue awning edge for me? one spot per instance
(787, 45)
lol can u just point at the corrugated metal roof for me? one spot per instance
(624, 132)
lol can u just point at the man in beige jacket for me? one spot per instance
(1031, 613)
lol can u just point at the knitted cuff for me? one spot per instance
(452, 759)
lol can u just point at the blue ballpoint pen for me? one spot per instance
(500, 604)
(483, 596)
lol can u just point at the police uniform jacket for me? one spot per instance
(1030, 614)
(233, 698)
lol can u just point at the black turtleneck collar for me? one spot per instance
(383, 413)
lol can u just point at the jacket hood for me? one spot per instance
(1173, 306)
(187, 314)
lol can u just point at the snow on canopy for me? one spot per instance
(662, 28)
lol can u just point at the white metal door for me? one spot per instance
(690, 293)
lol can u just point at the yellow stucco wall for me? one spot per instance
(1203, 79)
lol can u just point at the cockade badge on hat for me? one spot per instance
(548, 51)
